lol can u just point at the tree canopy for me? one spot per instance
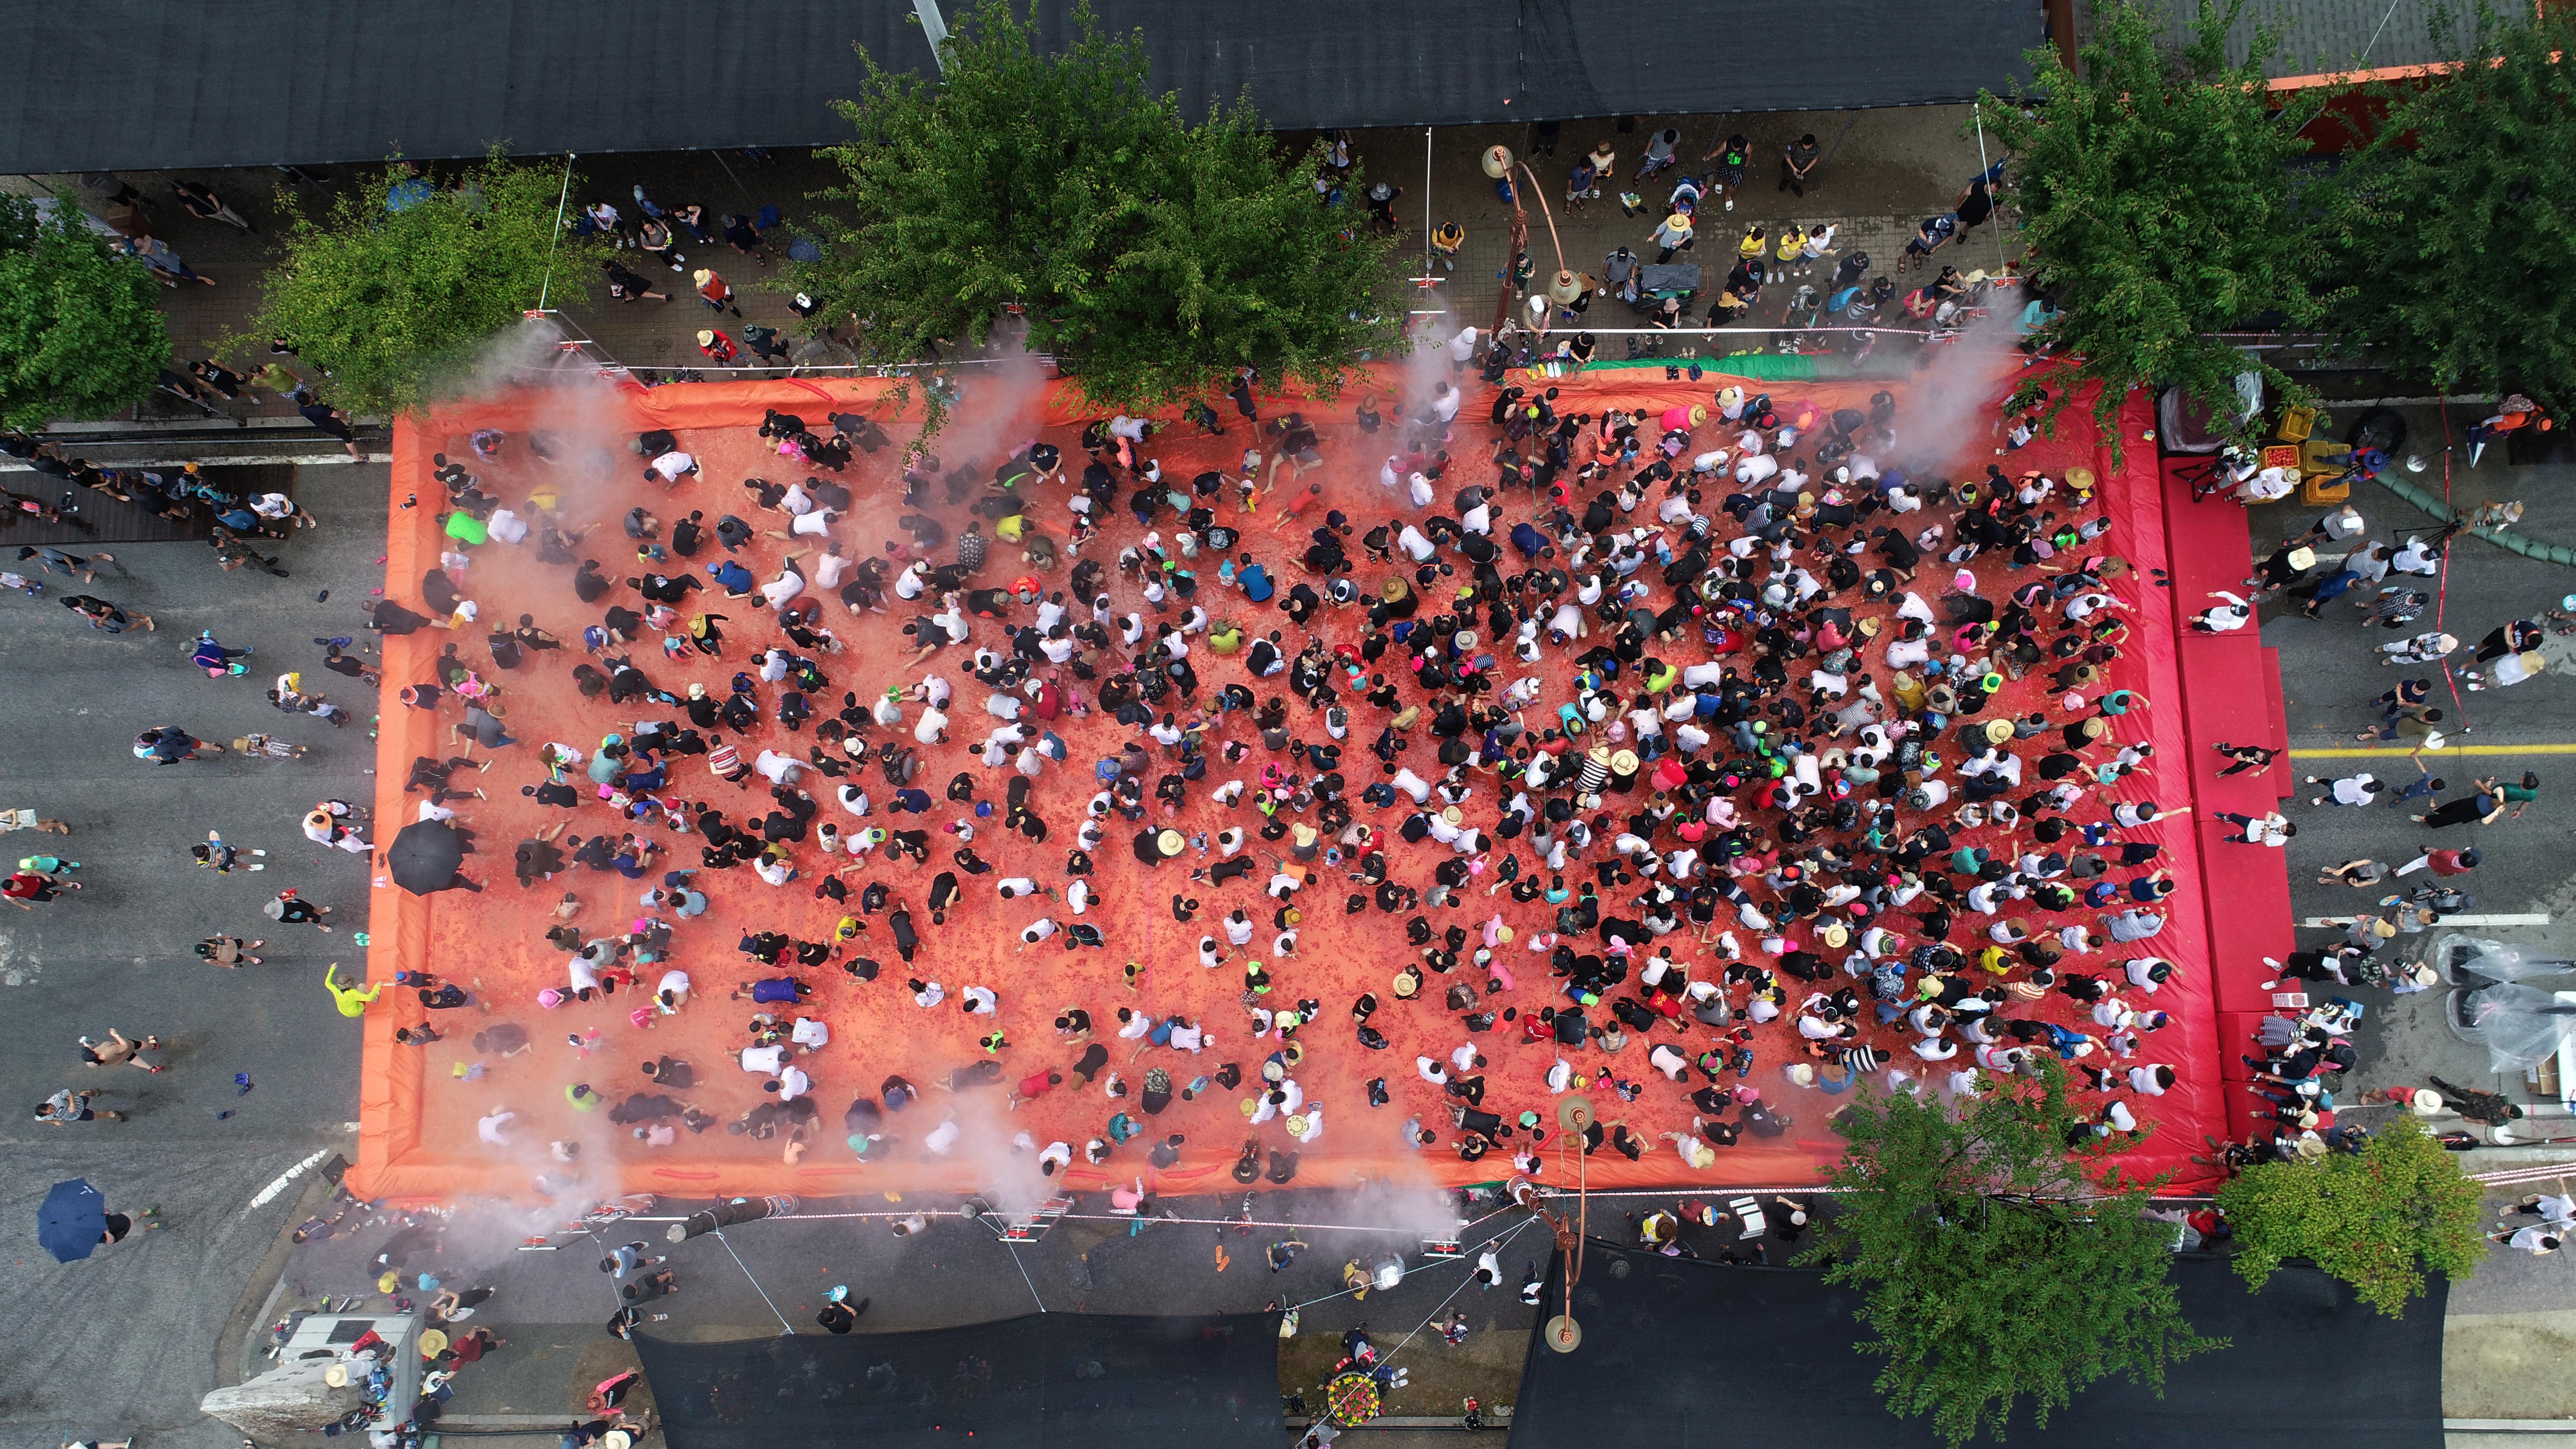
(2375, 1219)
(2156, 202)
(81, 334)
(398, 289)
(1151, 255)
(1996, 1266)
(2458, 223)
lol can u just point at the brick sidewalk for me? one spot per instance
(1885, 171)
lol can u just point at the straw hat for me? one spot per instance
(701, 277)
(1169, 843)
(389, 1282)
(2426, 1102)
(616, 1439)
(433, 1343)
(706, 338)
(1452, 814)
(1391, 590)
(1999, 731)
(1800, 1074)
(337, 1376)
(1834, 935)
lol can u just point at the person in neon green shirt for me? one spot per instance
(353, 1002)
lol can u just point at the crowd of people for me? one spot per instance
(1646, 735)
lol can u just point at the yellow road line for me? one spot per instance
(2340, 752)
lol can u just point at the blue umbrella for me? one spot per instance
(72, 1220)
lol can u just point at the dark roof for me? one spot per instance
(1045, 1381)
(146, 84)
(1755, 1355)
(2330, 35)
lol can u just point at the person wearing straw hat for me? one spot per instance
(1672, 237)
(719, 348)
(714, 291)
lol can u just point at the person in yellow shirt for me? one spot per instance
(1446, 239)
(1787, 246)
(352, 1001)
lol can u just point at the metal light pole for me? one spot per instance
(1565, 286)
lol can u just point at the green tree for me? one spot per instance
(2455, 231)
(81, 334)
(1151, 255)
(1996, 1265)
(2376, 1219)
(395, 303)
(2155, 197)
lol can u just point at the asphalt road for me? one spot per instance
(124, 1343)
(2329, 678)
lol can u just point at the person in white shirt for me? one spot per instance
(2537, 1241)
(2417, 558)
(2360, 789)
(2556, 1211)
(789, 583)
(2270, 829)
(2224, 617)
(2267, 485)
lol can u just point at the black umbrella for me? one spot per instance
(425, 856)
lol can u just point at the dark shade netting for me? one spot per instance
(1685, 1354)
(1057, 1380)
(144, 84)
